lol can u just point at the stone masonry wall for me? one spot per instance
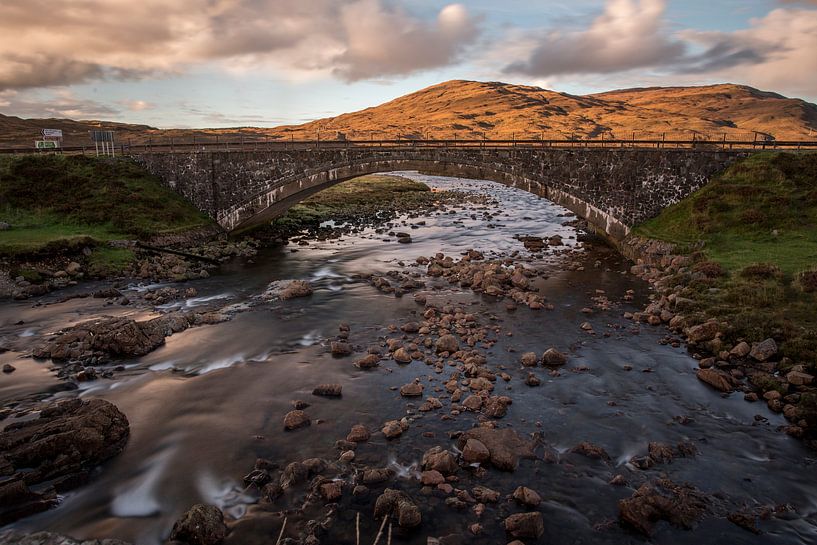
(614, 189)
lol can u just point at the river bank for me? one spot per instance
(544, 358)
(734, 271)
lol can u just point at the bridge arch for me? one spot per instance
(281, 196)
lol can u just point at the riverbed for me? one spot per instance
(207, 404)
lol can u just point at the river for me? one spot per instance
(208, 403)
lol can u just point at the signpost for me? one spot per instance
(52, 139)
(104, 140)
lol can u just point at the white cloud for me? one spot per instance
(61, 103)
(778, 51)
(45, 43)
(629, 34)
(137, 105)
(631, 43)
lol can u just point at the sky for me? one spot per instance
(227, 63)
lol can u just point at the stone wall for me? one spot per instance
(613, 189)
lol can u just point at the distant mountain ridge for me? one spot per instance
(494, 110)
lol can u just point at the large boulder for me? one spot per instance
(447, 343)
(505, 446)
(553, 357)
(201, 525)
(56, 452)
(120, 337)
(703, 332)
(399, 504)
(763, 350)
(525, 525)
(679, 504)
(716, 378)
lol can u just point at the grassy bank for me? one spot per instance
(755, 228)
(57, 204)
(357, 200)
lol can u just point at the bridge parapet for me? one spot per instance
(614, 189)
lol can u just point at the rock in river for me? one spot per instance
(60, 448)
(201, 525)
(398, 503)
(112, 337)
(411, 389)
(679, 504)
(553, 357)
(447, 343)
(296, 419)
(328, 390)
(525, 525)
(505, 446)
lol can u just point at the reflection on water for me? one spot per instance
(210, 401)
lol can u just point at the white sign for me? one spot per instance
(46, 144)
(52, 133)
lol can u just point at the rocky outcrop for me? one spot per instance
(679, 504)
(58, 451)
(112, 337)
(505, 446)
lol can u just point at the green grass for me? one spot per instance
(55, 202)
(107, 261)
(762, 209)
(758, 221)
(356, 198)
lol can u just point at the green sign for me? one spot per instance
(46, 144)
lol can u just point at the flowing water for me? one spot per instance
(210, 401)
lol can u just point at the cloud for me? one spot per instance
(384, 40)
(137, 105)
(60, 104)
(632, 38)
(629, 34)
(777, 51)
(85, 40)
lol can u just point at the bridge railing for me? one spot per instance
(186, 145)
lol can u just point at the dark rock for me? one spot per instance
(680, 504)
(553, 357)
(441, 460)
(591, 451)
(763, 350)
(358, 434)
(398, 503)
(60, 448)
(504, 445)
(527, 497)
(716, 378)
(201, 525)
(340, 348)
(328, 390)
(112, 337)
(525, 525)
(296, 419)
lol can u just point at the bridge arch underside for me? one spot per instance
(285, 194)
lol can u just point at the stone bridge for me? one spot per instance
(613, 189)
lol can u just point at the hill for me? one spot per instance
(494, 110)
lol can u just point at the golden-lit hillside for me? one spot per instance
(494, 110)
